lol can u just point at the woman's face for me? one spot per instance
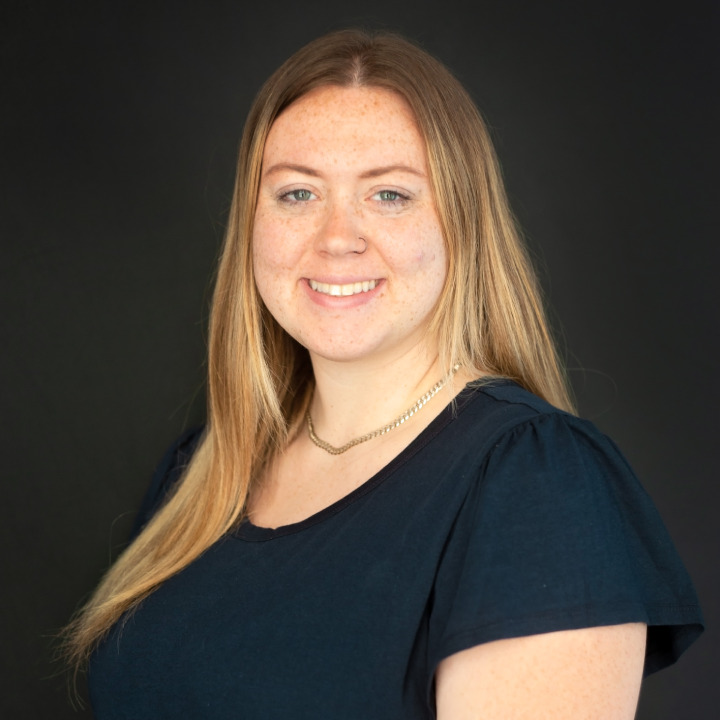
(347, 247)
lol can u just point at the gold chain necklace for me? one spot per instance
(416, 407)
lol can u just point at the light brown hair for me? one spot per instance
(489, 317)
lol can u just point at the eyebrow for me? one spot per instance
(375, 172)
(279, 167)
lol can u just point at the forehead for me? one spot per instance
(352, 122)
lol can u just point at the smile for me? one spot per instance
(343, 290)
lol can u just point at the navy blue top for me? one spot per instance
(504, 517)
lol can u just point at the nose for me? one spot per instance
(340, 232)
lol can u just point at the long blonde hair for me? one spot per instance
(489, 317)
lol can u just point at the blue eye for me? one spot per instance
(300, 195)
(391, 197)
(388, 195)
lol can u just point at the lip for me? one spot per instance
(334, 290)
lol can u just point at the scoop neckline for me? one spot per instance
(256, 533)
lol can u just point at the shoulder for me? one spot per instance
(534, 458)
(505, 418)
(503, 404)
(167, 473)
(555, 533)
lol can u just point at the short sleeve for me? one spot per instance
(166, 475)
(558, 534)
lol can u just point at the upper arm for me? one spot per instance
(557, 534)
(588, 674)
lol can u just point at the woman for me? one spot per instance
(391, 512)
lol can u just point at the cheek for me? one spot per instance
(279, 243)
(267, 268)
(433, 260)
(424, 253)
(409, 250)
(266, 245)
(272, 249)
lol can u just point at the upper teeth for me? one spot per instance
(349, 289)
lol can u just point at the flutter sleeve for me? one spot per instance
(556, 534)
(166, 475)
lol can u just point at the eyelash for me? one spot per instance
(289, 196)
(400, 199)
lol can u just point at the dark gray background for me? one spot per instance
(120, 123)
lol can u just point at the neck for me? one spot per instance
(353, 398)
